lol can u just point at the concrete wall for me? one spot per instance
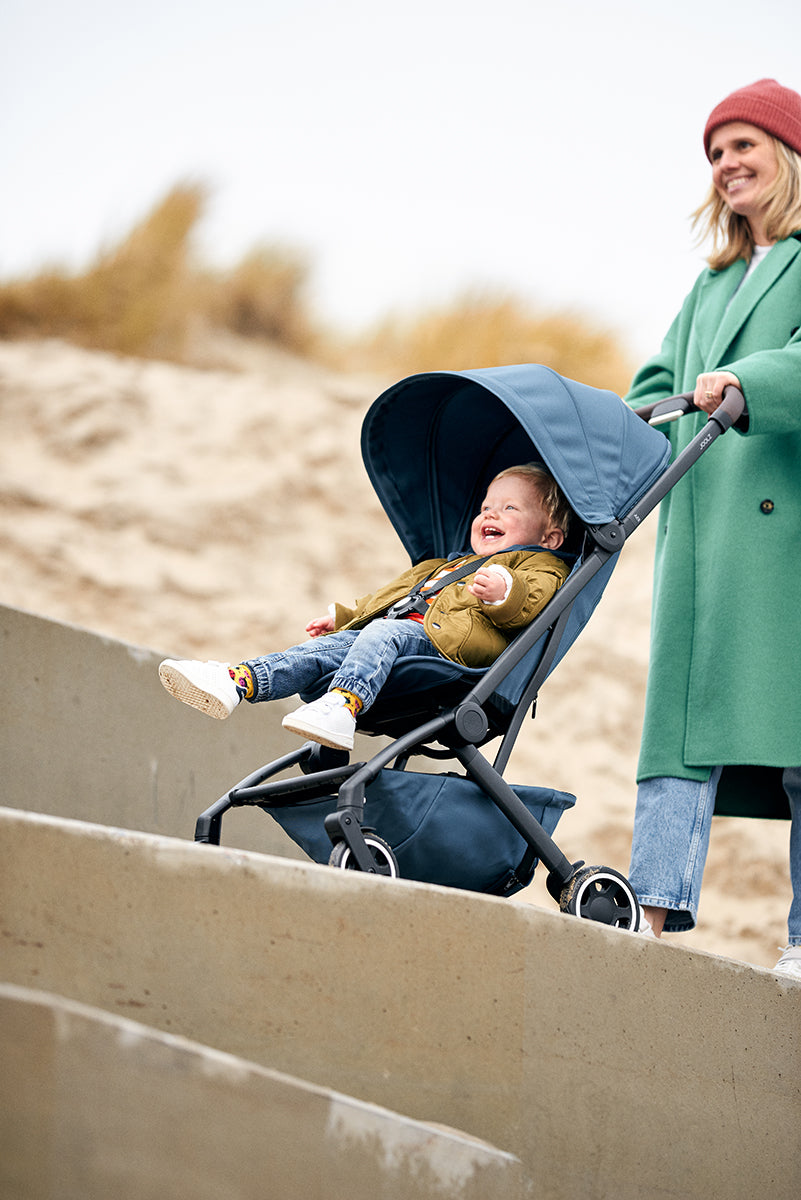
(97, 1106)
(87, 731)
(610, 1065)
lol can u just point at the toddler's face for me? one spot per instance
(512, 515)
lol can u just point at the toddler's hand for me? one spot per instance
(320, 625)
(488, 586)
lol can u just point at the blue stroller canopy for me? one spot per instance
(432, 442)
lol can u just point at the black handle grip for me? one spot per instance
(731, 409)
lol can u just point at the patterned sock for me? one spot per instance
(243, 679)
(352, 701)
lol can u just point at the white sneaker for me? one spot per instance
(328, 721)
(790, 962)
(207, 686)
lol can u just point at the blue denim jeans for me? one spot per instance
(671, 840)
(362, 660)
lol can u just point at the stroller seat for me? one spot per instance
(417, 688)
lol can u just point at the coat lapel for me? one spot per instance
(719, 288)
(732, 319)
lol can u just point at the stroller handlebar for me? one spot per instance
(731, 409)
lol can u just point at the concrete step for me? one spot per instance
(608, 1064)
(96, 1105)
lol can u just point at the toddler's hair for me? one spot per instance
(556, 507)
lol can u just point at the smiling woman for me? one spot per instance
(753, 141)
(723, 718)
(772, 114)
(744, 166)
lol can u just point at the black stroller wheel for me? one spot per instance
(385, 861)
(603, 895)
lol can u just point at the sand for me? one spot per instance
(211, 513)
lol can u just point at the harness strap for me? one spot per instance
(468, 568)
(417, 600)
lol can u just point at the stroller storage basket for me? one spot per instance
(442, 829)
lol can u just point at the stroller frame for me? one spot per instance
(465, 724)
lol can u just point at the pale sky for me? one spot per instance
(411, 151)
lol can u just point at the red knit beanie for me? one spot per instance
(767, 105)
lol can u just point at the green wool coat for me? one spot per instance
(724, 682)
(462, 627)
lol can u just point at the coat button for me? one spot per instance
(766, 506)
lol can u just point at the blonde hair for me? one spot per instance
(555, 505)
(731, 233)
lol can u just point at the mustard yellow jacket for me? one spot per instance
(462, 627)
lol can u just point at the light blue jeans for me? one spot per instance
(361, 660)
(671, 840)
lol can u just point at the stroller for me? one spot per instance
(431, 443)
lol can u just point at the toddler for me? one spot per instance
(508, 578)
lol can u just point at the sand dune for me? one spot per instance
(211, 513)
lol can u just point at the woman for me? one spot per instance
(723, 706)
